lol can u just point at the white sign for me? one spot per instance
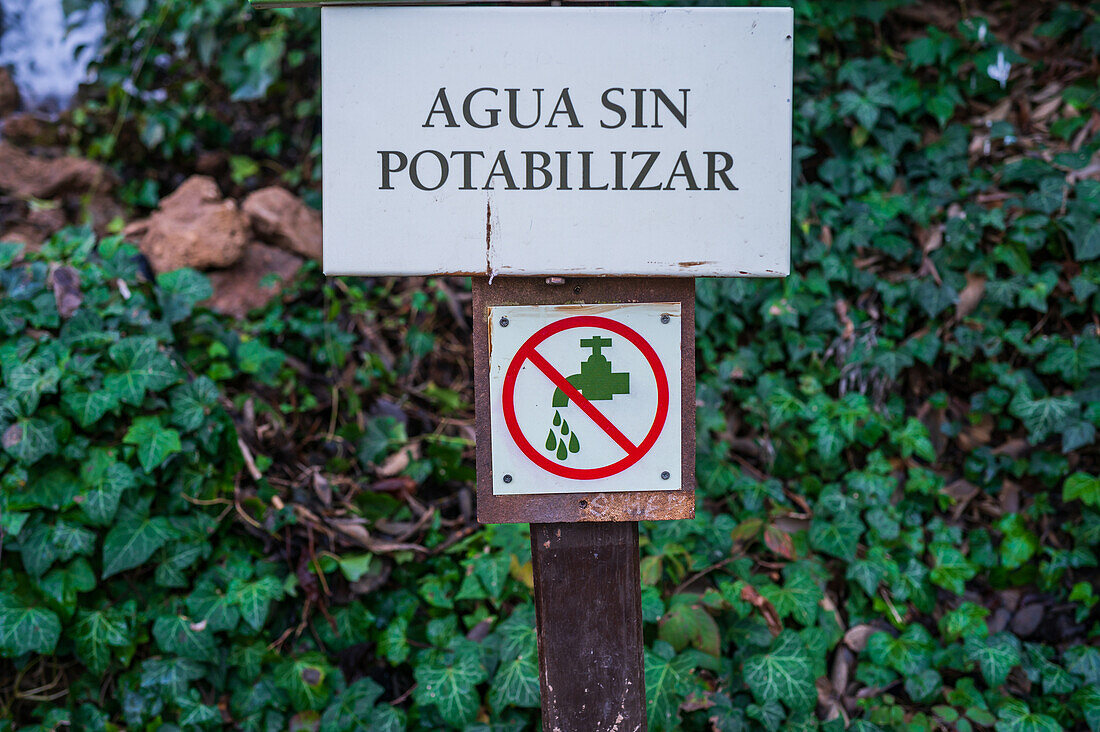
(585, 398)
(555, 141)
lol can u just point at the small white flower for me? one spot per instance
(999, 71)
(982, 30)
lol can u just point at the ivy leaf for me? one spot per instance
(63, 584)
(784, 673)
(1089, 699)
(516, 683)
(28, 440)
(1076, 434)
(132, 540)
(517, 634)
(37, 550)
(492, 570)
(70, 540)
(688, 622)
(142, 366)
(951, 570)
(170, 675)
(393, 643)
(838, 536)
(448, 681)
(914, 440)
(178, 556)
(106, 478)
(193, 402)
(770, 714)
(923, 686)
(798, 597)
(667, 682)
(965, 620)
(25, 629)
(1072, 362)
(256, 358)
(304, 679)
(254, 598)
(213, 607)
(1014, 716)
(88, 407)
(995, 655)
(1043, 416)
(184, 637)
(354, 710)
(1082, 487)
(154, 442)
(1083, 661)
(248, 659)
(1086, 246)
(908, 654)
(31, 379)
(869, 572)
(193, 713)
(95, 634)
(179, 291)
(1019, 544)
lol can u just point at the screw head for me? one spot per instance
(507, 478)
(665, 475)
(504, 322)
(665, 318)
(583, 504)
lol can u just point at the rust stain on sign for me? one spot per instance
(488, 238)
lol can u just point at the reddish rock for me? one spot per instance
(28, 176)
(9, 94)
(23, 234)
(284, 220)
(238, 290)
(48, 218)
(194, 227)
(24, 129)
(31, 225)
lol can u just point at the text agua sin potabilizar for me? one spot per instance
(563, 170)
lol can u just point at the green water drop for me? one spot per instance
(563, 452)
(574, 443)
(557, 418)
(564, 428)
(551, 440)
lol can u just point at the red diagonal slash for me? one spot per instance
(526, 353)
(586, 406)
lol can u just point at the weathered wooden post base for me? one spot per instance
(588, 605)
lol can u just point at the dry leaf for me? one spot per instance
(779, 541)
(761, 603)
(857, 635)
(970, 296)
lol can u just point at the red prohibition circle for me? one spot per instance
(527, 352)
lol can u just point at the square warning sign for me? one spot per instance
(585, 398)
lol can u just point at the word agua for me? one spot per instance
(536, 170)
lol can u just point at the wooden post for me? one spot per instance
(588, 606)
(584, 545)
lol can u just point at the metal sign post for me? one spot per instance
(583, 165)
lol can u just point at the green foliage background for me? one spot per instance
(897, 445)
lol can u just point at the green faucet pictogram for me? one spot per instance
(596, 382)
